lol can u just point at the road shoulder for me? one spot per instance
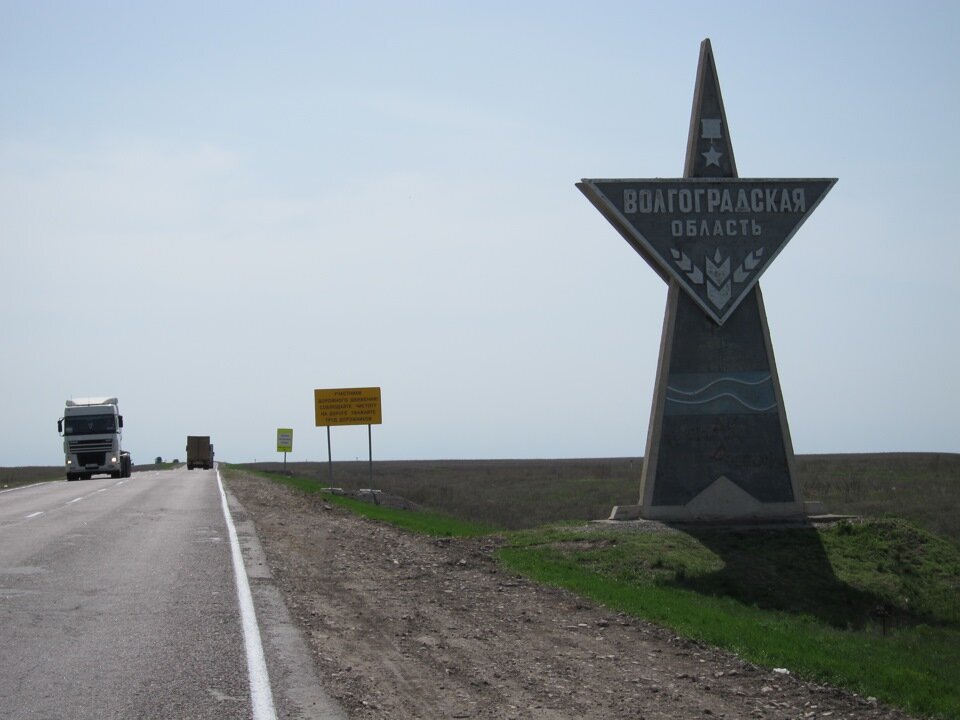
(297, 692)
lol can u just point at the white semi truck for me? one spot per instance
(91, 439)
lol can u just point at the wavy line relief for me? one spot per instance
(739, 400)
(761, 381)
(745, 392)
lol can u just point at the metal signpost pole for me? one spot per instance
(329, 457)
(370, 451)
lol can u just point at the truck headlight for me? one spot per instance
(113, 459)
(69, 462)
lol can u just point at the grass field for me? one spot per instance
(516, 494)
(16, 476)
(11, 477)
(872, 604)
(922, 487)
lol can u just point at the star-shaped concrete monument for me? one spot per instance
(718, 443)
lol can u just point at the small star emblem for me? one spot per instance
(712, 156)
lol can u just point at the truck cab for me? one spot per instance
(91, 430)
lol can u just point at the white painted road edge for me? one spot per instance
(261, 697)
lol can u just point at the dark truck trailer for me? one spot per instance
(199, 452)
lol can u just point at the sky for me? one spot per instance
(209, 210)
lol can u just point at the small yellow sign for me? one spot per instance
(347, 406)
(285, 440)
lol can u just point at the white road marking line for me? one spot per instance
(36, 514)
(102, 490)
(76, 500)
(261, 697)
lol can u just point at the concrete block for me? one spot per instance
(625, 512)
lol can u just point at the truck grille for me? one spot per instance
(91, 458)
(79, 446)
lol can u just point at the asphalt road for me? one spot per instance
(118, 599)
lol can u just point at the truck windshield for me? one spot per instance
(89, 424)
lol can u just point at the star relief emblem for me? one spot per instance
(712, 156)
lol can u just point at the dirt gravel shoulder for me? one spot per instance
(406, 626)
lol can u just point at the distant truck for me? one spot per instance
(199, 452)
(90, 428)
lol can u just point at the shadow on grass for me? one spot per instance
(785, 569)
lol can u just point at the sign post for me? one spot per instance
(284, 443)
(718, 445)
(348, 406)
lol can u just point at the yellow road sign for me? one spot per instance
(284, 440)
(347, 406)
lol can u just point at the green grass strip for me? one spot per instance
(423, 522)
(915, 669)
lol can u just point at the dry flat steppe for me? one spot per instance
(922, 487)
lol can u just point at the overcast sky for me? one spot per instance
(210, 209)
